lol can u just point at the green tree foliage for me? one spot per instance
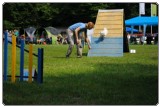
(70, 13)
(60, 14)
(7, 24)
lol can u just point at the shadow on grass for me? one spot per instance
(107, 84)
(84, 54)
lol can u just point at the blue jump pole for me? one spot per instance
(5, 55)
(22, 60)
(40, 66)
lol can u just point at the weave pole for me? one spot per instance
(13, 78)
(5, 65)
(30, 62)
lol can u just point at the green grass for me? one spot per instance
(128, 80)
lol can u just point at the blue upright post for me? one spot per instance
(22, 60)
(5, 55)
(39, 66)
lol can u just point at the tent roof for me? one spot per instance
(52, 30)
(128, 29)
(142, 20)
(30, 31)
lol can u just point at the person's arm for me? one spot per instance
(76, 34)
(87, 40)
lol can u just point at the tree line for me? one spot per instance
(22, 15)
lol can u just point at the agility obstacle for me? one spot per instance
(112, 44)
(38, 75)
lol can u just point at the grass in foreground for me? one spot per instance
(128, 80)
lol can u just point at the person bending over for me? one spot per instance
(73, 33)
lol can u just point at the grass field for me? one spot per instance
(128, 80)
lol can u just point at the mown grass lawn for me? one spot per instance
(128, 80)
